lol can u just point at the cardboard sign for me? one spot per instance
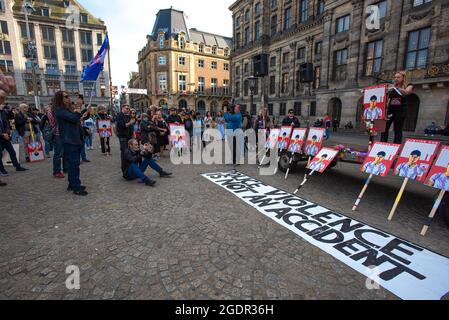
(374, 102)
(439, 174)
(284, 138)
(297, 140)
(35, 151)
(380, 159)
(314, 141)
(405, 269)
(416, 158)
(322, 160)
(104, 128)
(178, 136)
(272, 139)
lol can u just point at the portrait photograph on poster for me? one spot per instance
(439, 174)
(380, 159)
(374, 102)
(297, 140)
(416, 158)
(104, 128)
(322, 160)
(314, 141)
(284, 138)
(178, 136)
(272, 139)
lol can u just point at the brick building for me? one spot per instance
(347, 53)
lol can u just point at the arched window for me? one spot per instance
(201, 108)
(334, 109)
(161, 42)
(182, 104)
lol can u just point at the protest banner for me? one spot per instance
(296, 142)
(374, 103)
(314, 141)
(104, 128)
(283, 143)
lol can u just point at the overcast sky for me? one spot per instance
(129, 22)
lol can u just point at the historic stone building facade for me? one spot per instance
(62, 50)
(348, 53)
(184, 67)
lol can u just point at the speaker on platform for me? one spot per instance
(260, 65)
(306, 72)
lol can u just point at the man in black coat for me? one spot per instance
(291, 120)
(124, 125)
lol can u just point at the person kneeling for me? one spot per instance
(137, 161)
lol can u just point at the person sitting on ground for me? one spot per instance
(138, 160)
(431, 130)
(349, 125)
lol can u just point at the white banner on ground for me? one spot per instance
(403, 268)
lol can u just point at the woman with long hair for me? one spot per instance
(398, 94)
(71, 133)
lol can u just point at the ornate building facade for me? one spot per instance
(348, 52)
(184, 67)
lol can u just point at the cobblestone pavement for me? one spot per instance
(187, 238)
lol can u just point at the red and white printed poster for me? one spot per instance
(297, 140)
(322, 160)
(416, 158)
(178, 136)
(380, 159)
(439, 174)
(104, 128)
(272, 139)
(35, 151)
(374, 102)
(284, 138)
(314, 141)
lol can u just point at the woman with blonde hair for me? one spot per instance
(398, 94)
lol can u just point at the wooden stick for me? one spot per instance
(304, 182)
(433, 213)
(398, 199)
(263, 159)
(289, 166)
(277, 163)
(365, 187)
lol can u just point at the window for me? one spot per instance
(69, 54)
(287, 18)
(274, 4)
(298, 109)
(302, 53)
(52, 68)
(320, 7)
(90, 89)
(245, 67)
(4, 27)
(30, 88)
(99, 39)
(182, 61)
(226, 87)
(245, 88)
(317, 78)
(226, 52)
(313, 109)
(5, 46)
(86, 55)
(213, 87)
(246, 36)
(237, 89)
(226, 66)
(200, 63)
(162, 82)
(417, 49)
(285, 57)
(318, 47)
(201, 48)
(45, 12)
(50, 52)
(6, 66)
(162, 61)
(382, 9)
(214, 64)
(161, 42)
(284, 88)
(247, 15)
(257, 30)
(72, 87)
(343, 23)
(182, 83)
(304, 11)
(86, 38)
(48, 33)
(417, 3)
(182, 43)
(298, 81)
(374, 58)
(67, 36)
(237, 40)
(23, 31)
(53, 87)
(341, 60)
(257, 8)
(273, 85)
(2, 6)
(282, 109)
(256, 87)
(70, 69)
(237, 70)
(273, 62)
(214, 50)
(270, 109)
(274, 25)
(84, 18)
(201, 83)
(237, 22)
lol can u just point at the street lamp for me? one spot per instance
(31, 50)
(252, 81)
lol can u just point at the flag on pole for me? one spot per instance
(93, 69)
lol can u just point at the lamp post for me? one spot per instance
(31, 51)
(252, 85)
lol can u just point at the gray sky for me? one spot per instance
(129, 22)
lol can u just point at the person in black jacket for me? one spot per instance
(70, 130)
(291, 120)
(124, 125)
(137, 161)
(173, 117)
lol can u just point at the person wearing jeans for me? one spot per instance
(104, 134)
